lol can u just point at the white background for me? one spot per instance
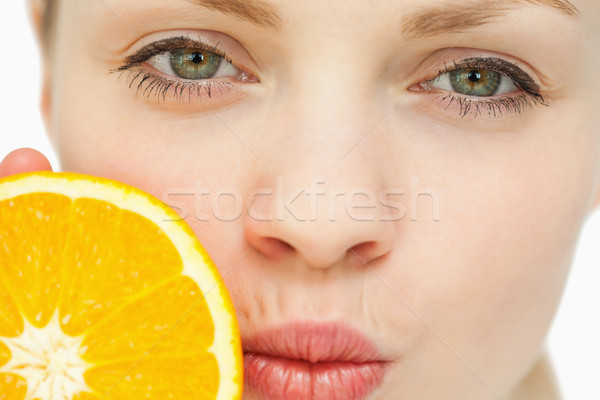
(574, 340)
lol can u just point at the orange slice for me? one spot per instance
(105, 293)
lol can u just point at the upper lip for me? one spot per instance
(314, 342)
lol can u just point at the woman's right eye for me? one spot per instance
(194, 64)
(184, 69)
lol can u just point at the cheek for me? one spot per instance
(503, 248)
(174, 158)
(104, 129)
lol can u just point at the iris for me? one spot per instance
(475, 81)
(189, 63)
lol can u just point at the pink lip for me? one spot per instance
(309, 361)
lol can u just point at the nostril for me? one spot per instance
(272, 247)
(366, 252)
(364, 246)
(362, 250)
(320, 244)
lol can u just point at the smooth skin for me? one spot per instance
(459, 305)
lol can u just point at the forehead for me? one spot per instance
(407, 14)
(267, 10)
(390, 23)
(273, 14)
(390, 18)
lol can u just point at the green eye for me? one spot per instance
(189, 63)
(479, 84)
(475, 81)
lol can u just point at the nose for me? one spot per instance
(320, 242)
(316, 208)
(319, 180)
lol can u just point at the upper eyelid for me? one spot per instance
(492, 63)
(162, 46)
(520, 78)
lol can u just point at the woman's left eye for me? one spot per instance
(194, 64)
(483, 85)
(477, 82)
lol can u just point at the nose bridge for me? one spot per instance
(331, 78)
(320, 120)
(319, 146)
(332, 91)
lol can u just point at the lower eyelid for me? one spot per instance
(455, 104)
(498, 107)
(165, 89)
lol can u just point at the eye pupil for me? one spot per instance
(197, 58)
(474, 76)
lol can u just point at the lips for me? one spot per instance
(309, 361)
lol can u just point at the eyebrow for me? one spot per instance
(257, 12)
(461, 18)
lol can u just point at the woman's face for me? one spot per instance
(333, 179)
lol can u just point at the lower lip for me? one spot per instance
(278, 378)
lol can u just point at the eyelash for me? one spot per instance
(530, 91)
(151, 83)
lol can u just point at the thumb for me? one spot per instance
(23, 160)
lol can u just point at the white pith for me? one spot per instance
(49, 361)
